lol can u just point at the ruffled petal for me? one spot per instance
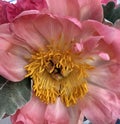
(12, 60)
(58, 114)
(24, 29)
(90, 9)
(106, 75)
(49, 27)
(64, 7)
(100, 106)
(12, 67)
(109, 45)
(31, 113)
(82, 10)
(71, 31)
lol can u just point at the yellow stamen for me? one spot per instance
(55, 74)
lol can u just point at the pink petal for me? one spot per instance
(31, 4)
(12, 67)
(100, 106)
(58, 114)
(106, 75)
(31, 113)
(64, 7)
(4, 36)
(24, 29)
(104, 56)
(79, 9)
(90, 9)
(109, 45)
(9, 11)
(81, 119)
(71, 32)
(49, 27)
(91, 43)
(11, 64)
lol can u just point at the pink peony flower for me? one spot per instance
(72, 58)
(9, 11)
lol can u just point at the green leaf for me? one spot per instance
(110, 12)
(13, 95)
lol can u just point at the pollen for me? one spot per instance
(56, 74)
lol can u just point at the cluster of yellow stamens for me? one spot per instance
(55, 74)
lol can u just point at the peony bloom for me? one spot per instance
(9, 11)
(72, 58)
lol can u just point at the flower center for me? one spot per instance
(55, 74)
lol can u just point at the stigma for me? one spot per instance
(56, 74)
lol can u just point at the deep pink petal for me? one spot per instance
(100, 106)
(9, 11)
(31, 4)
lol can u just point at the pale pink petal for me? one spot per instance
(70, 34)
(12, 67)
(106, 75)
(104, 56)
(58, 113)
(90, 9)
(24, 28)
(31, 113)
(81, 118)
(91, 44)
(64, 7)
(4, 36)
(82, 10)
(12, 60)
(77, 47)
(100, 106)
(49, 27)
(109, 45)
(36, 29)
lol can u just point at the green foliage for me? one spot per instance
(13, 95)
